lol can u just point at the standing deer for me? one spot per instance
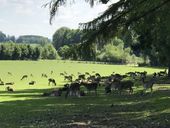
(149, 84)
(24, 77)
(73, 89)
(51, 80)
(123, 85)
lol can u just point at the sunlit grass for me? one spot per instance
(25, 107)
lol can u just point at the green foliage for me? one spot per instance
(66, 36)
(2, 37)
(49, 52)
(116, 52)
(64, 52)
(13, 51)
(78, 51)
(32, 39)
(148, 19)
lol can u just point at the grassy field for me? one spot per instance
(26, 108)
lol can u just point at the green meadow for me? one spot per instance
(26, 108)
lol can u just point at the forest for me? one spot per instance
(112, 71)
(67, 44)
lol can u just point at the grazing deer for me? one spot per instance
(163, 73)
(69, 78)
(87, 73)
(51, 80)
(97, 75)
(32, 83)
(10, 83)
(149, 84)
(9, 73)
(9, 89)
(90, 86)
(62, 74)
(73, 90)
(44, 75)
(123, 85)
(24, 77)
(82, 77)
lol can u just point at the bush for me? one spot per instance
(115, 52)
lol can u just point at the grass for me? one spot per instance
(26, 108)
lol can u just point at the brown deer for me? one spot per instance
(123, 85)
(149, 84)
(24, 77)
(44, 75)
(90, 86)
(69, 78)
(73, 90)
(51, 81)
(1, 82)
(9, 89)
(9, 73)
(10, 83)
(32, 83)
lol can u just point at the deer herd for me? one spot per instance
(86, 83)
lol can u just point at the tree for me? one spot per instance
(66, 36)
(33, 39)
(126, 15)
(16, 53)
(24, 52)
(37, 53)
(2, 37)
(64, 52)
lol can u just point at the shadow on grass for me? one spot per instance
(86, 112)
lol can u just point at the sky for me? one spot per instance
(28, 17)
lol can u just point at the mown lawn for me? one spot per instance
(26, 108)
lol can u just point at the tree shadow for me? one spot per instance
(85, 112)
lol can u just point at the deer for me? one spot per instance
(73, 89)
(10, 83)
(148, 84)
(82, 76)
(51, 80)
(52, 72)
(24, 77)
(9, 89)
(44, 75)
(9, 73)
(1, 82)
(162, 73)
(123, 85)
(32, 83)
(69, 78)
(91, 85)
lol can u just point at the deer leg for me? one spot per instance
(131, 90)
(151, 89)
(49, 83)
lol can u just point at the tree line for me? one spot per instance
(14, 51)
(28, 39)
